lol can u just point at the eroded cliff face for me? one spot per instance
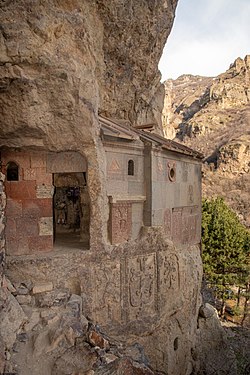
(155, 325)
(63, 61)
(212, 115)
(51, 56)
(134, 34)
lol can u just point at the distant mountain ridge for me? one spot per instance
(212, 115)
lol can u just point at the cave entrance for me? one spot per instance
(71, 214)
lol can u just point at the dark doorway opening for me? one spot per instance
(71, 211)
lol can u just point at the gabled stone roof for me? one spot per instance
(113, 128)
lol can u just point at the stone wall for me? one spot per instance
(2, 259)
(11, 314)
(165, 190)
(29, 225)
(144, 291)
(2, 224)
(176, 196)
(126, 191)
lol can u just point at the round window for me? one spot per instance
(171, 172)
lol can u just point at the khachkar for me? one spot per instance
(136, 287)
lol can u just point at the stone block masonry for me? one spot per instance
(29, 208)
(2, 224)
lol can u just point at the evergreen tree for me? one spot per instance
(226, 248)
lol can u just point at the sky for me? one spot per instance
(207, 36)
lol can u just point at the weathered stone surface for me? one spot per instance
(7, 283)
(109, 357)
(96, 339)
(124, 366)
(2, 356)
(41, 343)
(75, 304)
(52, 298)
(144, 291)
(73, 58)
(136, 353)
(61, 337)
(207, 311)
(3, 280)
(33, 320)
(11, 319)
(46, 226)
(60, 349)
(49, 316)
(22, 290)
(23, 299)
(75, 361)
(213, 353)
(43, 287)
(2, 226)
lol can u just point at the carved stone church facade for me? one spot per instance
(145, 270)
(150, 181)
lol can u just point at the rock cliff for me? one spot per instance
(212, 115)
(63, 61)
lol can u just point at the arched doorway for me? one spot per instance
(71, 204)
(71, 210)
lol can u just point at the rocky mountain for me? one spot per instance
(63, 62)
(212, 115)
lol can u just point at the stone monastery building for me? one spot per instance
(151, 182)
(145, 265)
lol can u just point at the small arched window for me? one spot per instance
(12, 171)
(131, 168)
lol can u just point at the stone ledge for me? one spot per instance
(127, 199)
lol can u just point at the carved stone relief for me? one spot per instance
(107, 301)
(114, 166)
(142, 293)
(114, 169)
(169, 280)
(167, 222)
(136, 288)
(160, 166)
(44, 191)
(63, 162)
(29, 174)
(185, 225)
(120, 222)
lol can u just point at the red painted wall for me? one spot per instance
(29, 209)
